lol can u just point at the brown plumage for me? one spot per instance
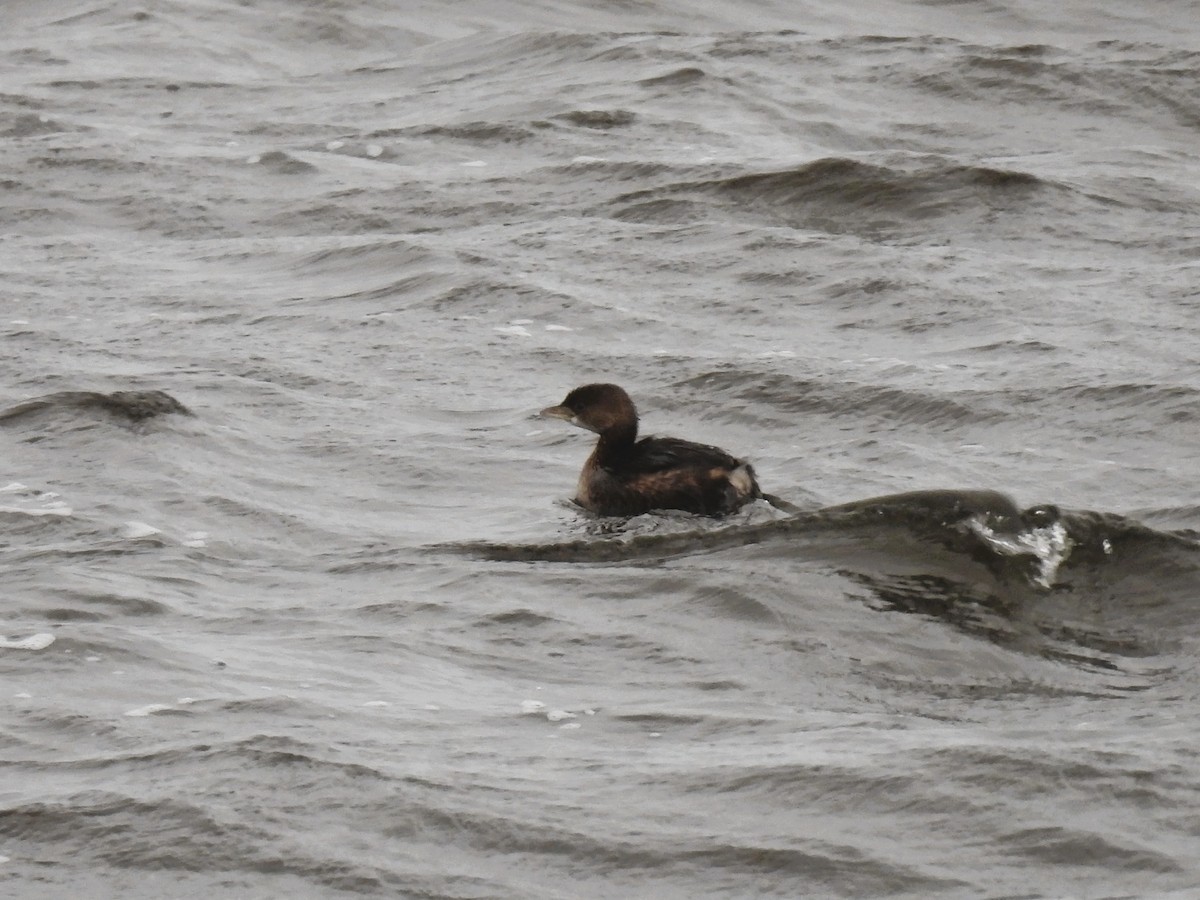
(626, 477)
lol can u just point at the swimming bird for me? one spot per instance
(627, 477)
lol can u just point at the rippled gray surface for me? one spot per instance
(339, 633)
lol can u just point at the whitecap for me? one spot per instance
(32, 502)
(135, 530)
(195, 539)
(148, 710)
(516, 330)
(38, 641)
(1051, 545)
(54, 509)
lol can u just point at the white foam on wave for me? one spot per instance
(136, 530)
(152, 708)
(560, 717)
(148, 710)
(195, 539)
(29, 501)
(1051, 544)
(38, 641)
(60, 509)
(516, 330)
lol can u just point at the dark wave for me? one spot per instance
(600, 119)
(1181, 402)
(847, 195)
(973, 559)
(1057, 846)
(1172, 405)
(98, 606)
(683, 77)
(931, 514)
(727, 864)
(792, 396)
(487, 133)
(33, 125)
(1149, 84)
(133, 406)
(172, 834)
(282, 163)
(615, 170)
(479, 132)
(165, 827)
(381, 255)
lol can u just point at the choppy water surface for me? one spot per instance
(318, 619)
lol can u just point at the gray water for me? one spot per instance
(340, 632)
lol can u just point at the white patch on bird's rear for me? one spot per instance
(742, 480)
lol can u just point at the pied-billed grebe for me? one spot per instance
(627, 477)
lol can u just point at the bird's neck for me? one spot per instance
(615, 442)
